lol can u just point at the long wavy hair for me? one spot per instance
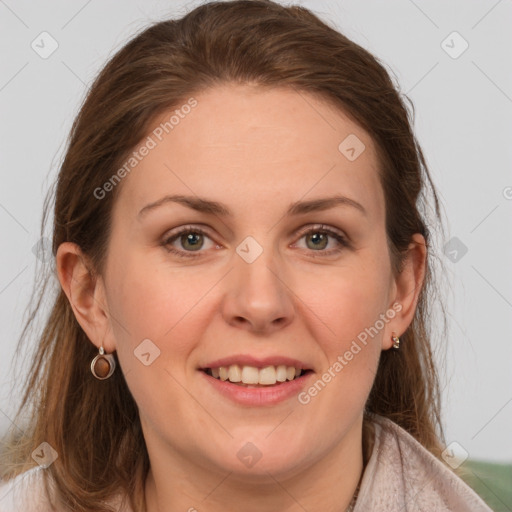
(94, 425)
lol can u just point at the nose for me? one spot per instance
(258, 298)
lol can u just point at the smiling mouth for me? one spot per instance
(252, 377)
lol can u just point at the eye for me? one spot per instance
(190, 238)
(317, 238)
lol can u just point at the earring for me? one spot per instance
(396, 341)
(103, 365)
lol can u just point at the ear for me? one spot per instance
(406, 289)
(86, 294)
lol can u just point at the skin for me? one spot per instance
(256, 151)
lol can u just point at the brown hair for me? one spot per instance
(101, 447)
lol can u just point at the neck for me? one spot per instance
(328, 484)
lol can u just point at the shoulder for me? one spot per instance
(24, 493)
(403, 475)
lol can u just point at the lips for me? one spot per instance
(257, 395)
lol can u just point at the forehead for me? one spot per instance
(253, 146)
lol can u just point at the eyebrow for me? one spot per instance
(213, 207)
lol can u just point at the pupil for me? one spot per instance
(319, 237)
(190, 239)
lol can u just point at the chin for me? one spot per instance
(252, 460)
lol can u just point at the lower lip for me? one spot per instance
(260, 396)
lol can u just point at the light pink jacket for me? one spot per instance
(401, 476)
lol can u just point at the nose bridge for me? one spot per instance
(257, 267)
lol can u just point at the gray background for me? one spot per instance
(463, 122)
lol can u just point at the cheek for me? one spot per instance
(345, 310)
(346, 302)
(153, 313)
(163, 305)
(151, 297)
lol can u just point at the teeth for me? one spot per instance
(281, 373)
(234, 373)
(267, 376)
(249, 375)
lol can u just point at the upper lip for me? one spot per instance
(258, 362)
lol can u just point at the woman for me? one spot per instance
(245, 284)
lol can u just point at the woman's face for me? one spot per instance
(255, 289)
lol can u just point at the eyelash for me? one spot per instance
(316, 229)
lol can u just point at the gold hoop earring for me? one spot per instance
(396, 341)
(103, 365)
